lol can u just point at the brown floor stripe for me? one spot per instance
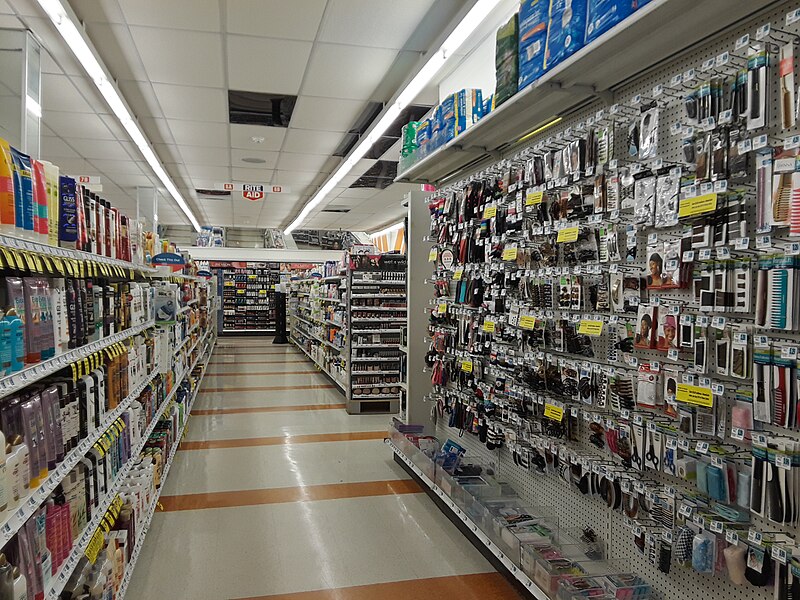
(264, 409)
(268, 388)
(479, 586)
(262, 373)
(278, 440)
(333, 491)
(278, 353)
(258, 362)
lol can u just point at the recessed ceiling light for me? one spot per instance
(256, 139)
(253, 160)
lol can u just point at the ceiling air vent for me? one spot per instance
(205, 192)
(255, 108)
(335, 210)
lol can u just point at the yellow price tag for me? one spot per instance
(432, 255)
(533, 198)
(488, 326)
(489, 212)
(692, 394)
(527, 322)
(699, 205)
(9, 258)
(442, 308)
(568, 234)
(553, 412)
(458, 273)
(39, 264)
(510, 254)
(594, 328)
(466, 366)
(95, 546)
(59, 265)
(29, 261)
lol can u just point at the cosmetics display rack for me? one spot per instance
(248, 298)
(613, 320)
(318, 323)
(377, 317)
(93, 528)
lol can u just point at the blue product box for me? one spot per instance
(423, 136)
(469, 108)
(602, 15)
(533, 17)
(566, 31)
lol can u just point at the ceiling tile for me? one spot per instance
(359, 193)
(241, 137)
(140, 95)
(198, 15)
(100, 149)
(131, 181)
(301, 162)
(168, 153)
(59, 93)
(199, 133)
(208, 174)
(326, 114)
(305, 141)
(54, 149)
(293, 178)
(118, 51)
(122, 167)
(204, 156)
(77, 125)
(199, 61)
(157, 131)
(377, 23)
(281, 64)
(252, 175)
(237, 154)
(97, 11)
(296, 20)
(192, 103)
(346, 71)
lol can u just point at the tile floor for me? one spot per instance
(277, 493)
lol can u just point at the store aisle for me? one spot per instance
(276, 493)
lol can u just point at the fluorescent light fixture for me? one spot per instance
(479, 11)
(33, 107)
(388, 230)
(540, 129)
(74, 38)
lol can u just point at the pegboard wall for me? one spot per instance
(664, 87)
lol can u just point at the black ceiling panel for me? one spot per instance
(256, 108)
(379, 176)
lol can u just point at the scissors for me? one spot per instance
(651, 457)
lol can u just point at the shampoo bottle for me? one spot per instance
(6, 578)
(20, 585)
(17, 340)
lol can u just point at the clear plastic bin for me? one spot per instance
(623, 586)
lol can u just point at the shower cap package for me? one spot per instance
(667, 190)
(644, 200)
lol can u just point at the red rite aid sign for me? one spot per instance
(252, 192)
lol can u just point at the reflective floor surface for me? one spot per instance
(277, 493)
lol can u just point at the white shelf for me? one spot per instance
(388, 282)
(526, 581)
(378, 346)
(376, 397)
(25, 377)
(628, 49)
(356, 373)
(368, 331)
(358, 296)
(403, 349)
(16, 243)
(375, 359)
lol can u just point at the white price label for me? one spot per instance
(707, 64)
(760, 141)
(673, 354)
(783, 462)
(789, 352)
(737, 433)
(731, 537)
(763, 31)
(715, 526)
(701, 447)
(688, 256)
(742, 243)
(764, 242)
(742, 42)
(755, 537)
(792, 17)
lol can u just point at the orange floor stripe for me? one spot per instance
(480, 586)
(268, 388)
(258, 362)
(264, 409)
(278, 440)
(333, 491)
(262, 373)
